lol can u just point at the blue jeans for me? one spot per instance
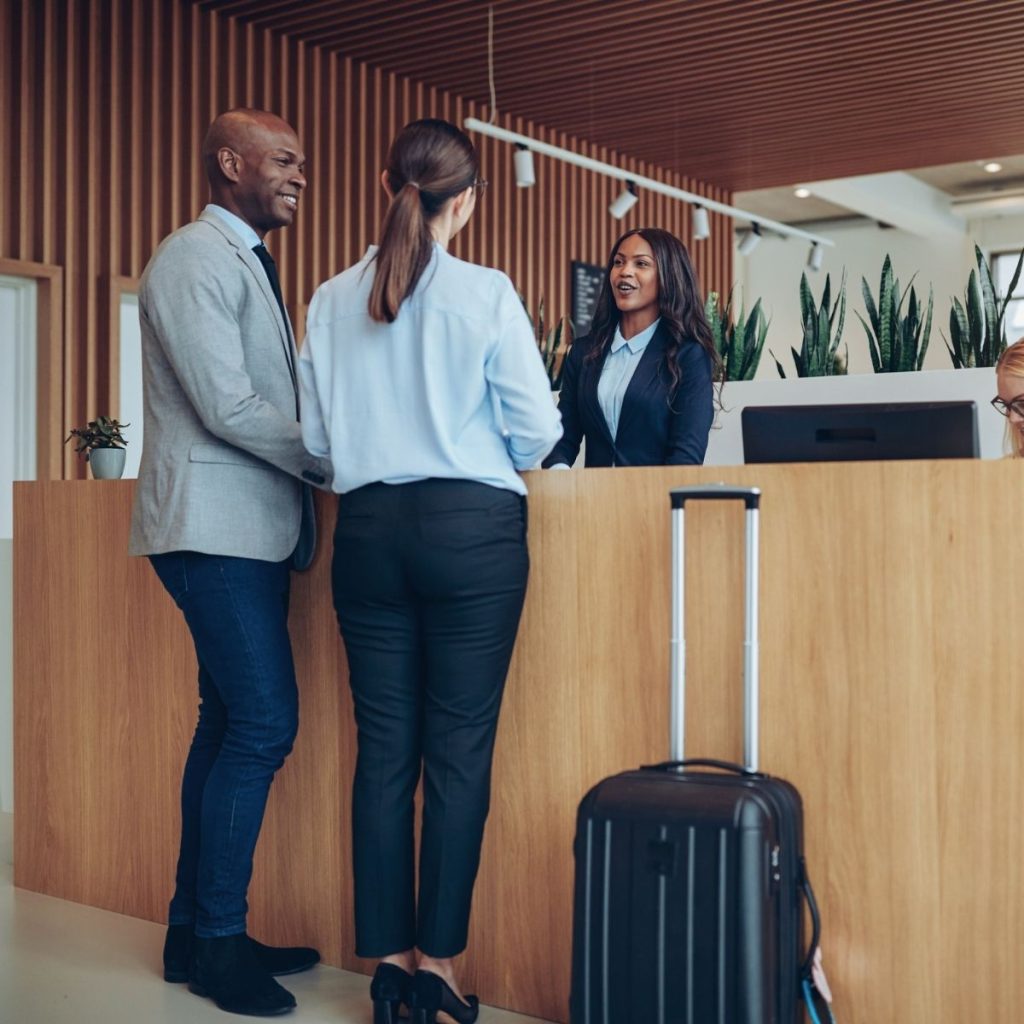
(237, 612)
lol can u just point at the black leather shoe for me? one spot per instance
(390, 988)
(227, 970)
(178, 951)
(276, 960)
(281, 960)
(431, 994)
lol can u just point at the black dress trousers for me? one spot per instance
(429, 579)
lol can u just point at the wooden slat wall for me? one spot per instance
(103, 106)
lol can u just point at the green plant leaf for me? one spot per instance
(778, 365)
(841, 305)
(823, 350)
(807, 311)
(975, 323)
(926, 331)
(869, 303)
(800, 363)
(959, 334)
(754, 345)
(989, 304)
(887, 314)
(876, 361)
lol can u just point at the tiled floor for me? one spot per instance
(62, 963)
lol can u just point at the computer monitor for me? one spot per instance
(853, 433)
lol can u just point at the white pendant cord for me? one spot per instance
(490, 62)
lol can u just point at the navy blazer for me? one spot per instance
(651, 432)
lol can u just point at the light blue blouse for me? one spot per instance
(454, 388)
(619, 366)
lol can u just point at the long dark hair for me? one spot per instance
(430, 162)
(679, 304)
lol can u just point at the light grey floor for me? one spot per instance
(62, 963)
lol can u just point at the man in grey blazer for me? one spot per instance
(224, 512)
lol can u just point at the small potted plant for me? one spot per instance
(103, 444)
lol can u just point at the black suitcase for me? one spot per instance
(688, 904)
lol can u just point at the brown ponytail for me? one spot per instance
(429, 163)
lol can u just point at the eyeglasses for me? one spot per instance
(480, 185)
(1013, 405)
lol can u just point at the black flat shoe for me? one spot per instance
(226, 970)
(277, 960)
(431, 994)
(390, 988)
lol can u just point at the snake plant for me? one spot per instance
(897, 341)
(738, 344)
(554, 343)
(822, 331)
(977, 332)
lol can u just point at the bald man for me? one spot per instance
(224, 513)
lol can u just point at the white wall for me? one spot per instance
(772, 273)
(999, 233)
(129, 408)
(18, 297)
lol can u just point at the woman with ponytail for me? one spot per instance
(421, 381)
(639, 387)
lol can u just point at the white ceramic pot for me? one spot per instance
(107, 463)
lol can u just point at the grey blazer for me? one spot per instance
(222, 455)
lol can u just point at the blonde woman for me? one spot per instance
(422, 383)
(1010, 399)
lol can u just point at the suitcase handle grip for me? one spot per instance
(750, 496)
(704, 762)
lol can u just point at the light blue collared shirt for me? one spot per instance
(244, 231)
(619, 366)
(454, 388)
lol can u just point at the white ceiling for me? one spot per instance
(957, 184)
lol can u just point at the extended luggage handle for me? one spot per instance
(751, 498)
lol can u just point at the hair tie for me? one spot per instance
(415, 185)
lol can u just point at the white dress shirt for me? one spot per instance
(246, 232)
(454, 388)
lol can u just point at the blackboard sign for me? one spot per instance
(587, 280)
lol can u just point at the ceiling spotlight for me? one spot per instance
(993, 167)
(701, 224)
(802, 192)
(748, 243)
(524, 166)
(625, 201)
(815, 256)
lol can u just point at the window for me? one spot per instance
(1003, 266)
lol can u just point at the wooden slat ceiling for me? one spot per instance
(740, 93)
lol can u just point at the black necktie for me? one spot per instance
(263, 255)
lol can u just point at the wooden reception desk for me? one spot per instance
(892, 656)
